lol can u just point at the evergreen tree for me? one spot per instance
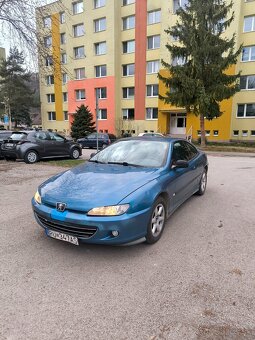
(83, 123)
(14, 89)
(199, 82)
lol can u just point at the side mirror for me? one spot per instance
(180, 164)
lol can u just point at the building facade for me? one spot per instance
(113, 48)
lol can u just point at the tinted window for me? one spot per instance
(55, 136)
(190, 149)
(179, 152)
(41, 135)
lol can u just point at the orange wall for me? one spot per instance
(140, 58)
(89, 85)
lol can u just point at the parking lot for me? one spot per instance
(197, 282)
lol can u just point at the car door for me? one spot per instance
(42, 140)
(183, 177)
(59, 147)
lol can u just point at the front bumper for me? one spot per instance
(90, 229)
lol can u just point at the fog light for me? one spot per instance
(115, 233)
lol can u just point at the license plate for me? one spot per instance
(63, 237)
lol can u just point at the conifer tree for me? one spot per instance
(14, 87)
(83, 123)
(199, 80)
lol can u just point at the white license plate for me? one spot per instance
(63, 237)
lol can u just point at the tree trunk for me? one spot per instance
(202, 129)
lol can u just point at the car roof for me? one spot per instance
(155, 138)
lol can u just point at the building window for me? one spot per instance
(154, 17)
(63, 58)
(128, 92)
(64, 78)
(128, 2)
(51, 115)
(179, 4)
(152, 90)
(100, 71)
(100, 48)
(62, 38)
(48, 61)
(128, 114)
(48, 41)
(102, 92)
(47, 22)
(207, 133)
(248, 53)
(128, 70)
(151, 113)
(153, 66)
(128, 46)
(100, 25)
(79, 52)
(62, 18)
(236, 133)
(246, 110)
(253, 133)
(64, 96)
(153, 42)
(128, 22)
(178, 61)
(78, 30)
(244, 133)
(249, 24)
(102, 114)
(216, 133)
(51, 98)
(77, 7)
(199, 132)
(49, 80)
(99, 3)
(65, 115)
(80, 94)
(79, 73)
(247, 82)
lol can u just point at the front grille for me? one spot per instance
(74, 229)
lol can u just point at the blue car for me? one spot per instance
(123, 194)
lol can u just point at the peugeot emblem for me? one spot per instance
(61, 206)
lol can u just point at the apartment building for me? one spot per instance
(113, 48)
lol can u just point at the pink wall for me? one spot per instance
(140, 58)
(89, 85)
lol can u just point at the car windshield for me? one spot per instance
(134, 152)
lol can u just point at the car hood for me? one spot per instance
(92, 185)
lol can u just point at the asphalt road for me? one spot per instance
(197, 282)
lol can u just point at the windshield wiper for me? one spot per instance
(124, 163)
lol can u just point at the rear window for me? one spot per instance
(18, 136)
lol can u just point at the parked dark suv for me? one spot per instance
(34, 145)
(5, 134)
(90, 141)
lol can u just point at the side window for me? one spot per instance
(40, 135)
(59, 138)
(179, 152)
(190, 150)
(52, 136)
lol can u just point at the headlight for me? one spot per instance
(113, 210)
(37, 197)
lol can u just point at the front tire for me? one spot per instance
(75, 154)
(157, 221)
(202, 184)
(31, 157)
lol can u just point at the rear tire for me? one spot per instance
(202, 184)
(31, 157)
(157, 221)
(75, 153)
